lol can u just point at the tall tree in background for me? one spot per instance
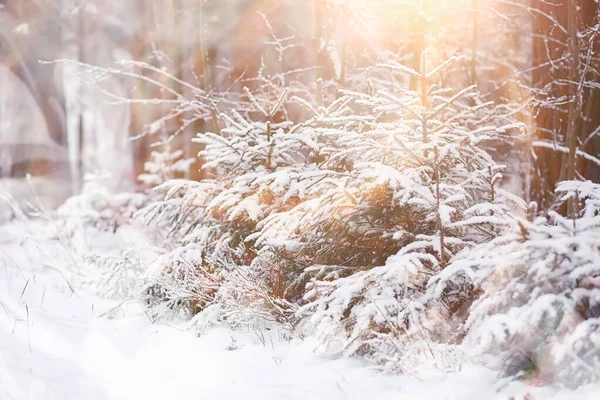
(566, 83)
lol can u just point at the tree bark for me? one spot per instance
(557, 28)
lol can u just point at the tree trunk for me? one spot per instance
(557, 75)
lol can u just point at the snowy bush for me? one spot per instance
(536, 293)
(97, 207)
(182, 281)
(420, 190)
(340, 219)
(164, 165)
(347, 214)
(103, 239)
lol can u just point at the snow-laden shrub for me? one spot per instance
(97, 207)
(340, 220)
(165, 164)
(117, 275)
(216, 216)
(254, 167)
(537, 291)
(420, 189)
(103, 239)
(182, 280)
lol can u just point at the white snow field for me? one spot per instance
(59, 340)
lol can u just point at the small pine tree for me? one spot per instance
(164, 165)
(420, 189)
(537, 291)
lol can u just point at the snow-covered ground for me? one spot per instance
(60, 340)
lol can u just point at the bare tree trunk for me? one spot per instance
(566, 100)
(569, 167)
(549, 40)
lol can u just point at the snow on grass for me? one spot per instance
(60, 340)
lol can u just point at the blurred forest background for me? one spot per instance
(55, 125)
